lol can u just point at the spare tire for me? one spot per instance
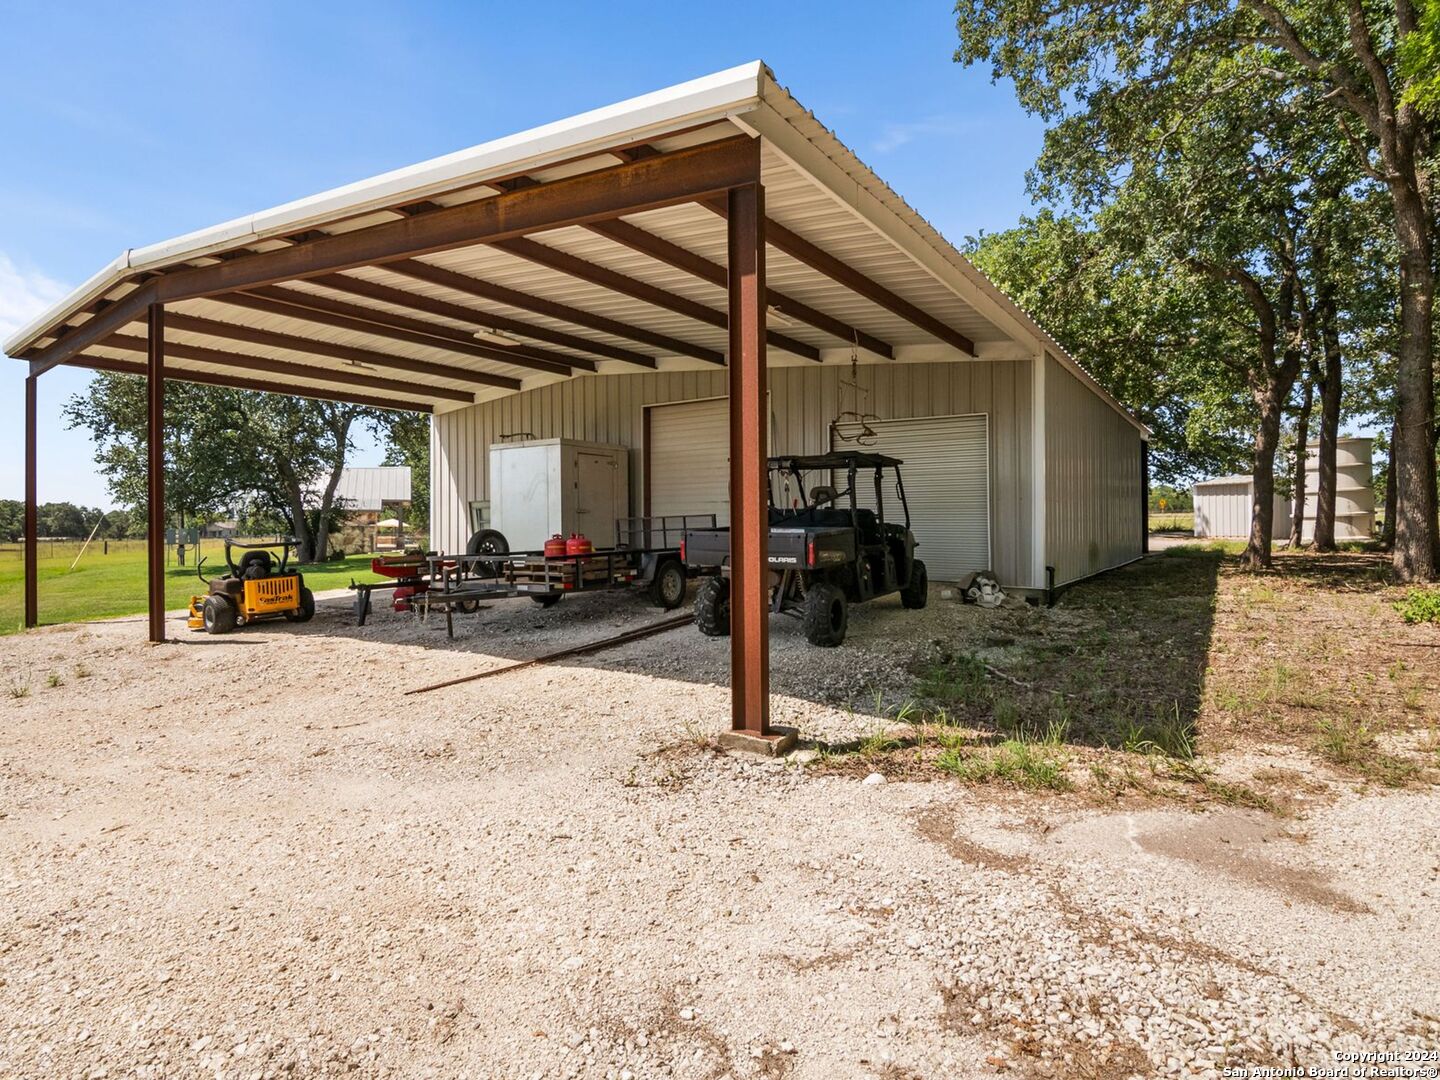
(487, 542)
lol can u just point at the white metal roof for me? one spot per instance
(370, 487)
(814, 186)
(1217, 481)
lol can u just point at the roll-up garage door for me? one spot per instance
(687, 459)
(947, 484)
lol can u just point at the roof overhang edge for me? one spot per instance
(712, 98)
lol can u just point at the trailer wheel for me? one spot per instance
(547, 600)
(917, 592)
(218, 615)
(826, 615)
(668, 589)
(712, 607)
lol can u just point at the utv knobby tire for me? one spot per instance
(218, 615)
(916, 594)
(668, 589)
(827, 614)
(712, 607)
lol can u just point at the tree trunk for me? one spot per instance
(1262, 509)
(1413, 451)
(1330, 382)
(1297, 486)
(1387, 536)
(340, 429)
(299, 523)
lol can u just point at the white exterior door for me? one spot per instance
(946, 472)
(596, 493)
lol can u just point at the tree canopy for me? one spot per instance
(1244, 189)
(276, 456)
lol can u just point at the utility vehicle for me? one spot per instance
(826, 551)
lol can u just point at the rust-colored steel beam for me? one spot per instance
(131, 308)
(687, 175)
(501, 294)
(749, 516)
(32, 536)
(245, 362)
(191, 324)
(662, 250)
(797, 247)
(350, 354)
(327, 311)
(695, 172)
(240, 382)
(155, 466)
(576, 267)
(493, 320)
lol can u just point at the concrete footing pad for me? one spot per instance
(779, 742)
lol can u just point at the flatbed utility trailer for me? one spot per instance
(647, 556)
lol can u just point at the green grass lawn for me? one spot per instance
(1172, 521)
(105, 585)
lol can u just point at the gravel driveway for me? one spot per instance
(252, 857)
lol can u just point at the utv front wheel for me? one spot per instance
(712, 607)
(826, 615)
(917, 592)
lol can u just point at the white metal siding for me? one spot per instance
(689, 455)
(1223, 509)
(1092, 480)
(946, 472)
(804, 399)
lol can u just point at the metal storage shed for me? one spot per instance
(1223, 507)
(708, 241)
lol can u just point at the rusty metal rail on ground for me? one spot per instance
(577, 650)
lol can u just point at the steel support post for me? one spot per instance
(749, 516)
(155, 459)
(32, 553)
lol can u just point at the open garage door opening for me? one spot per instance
(946, 472)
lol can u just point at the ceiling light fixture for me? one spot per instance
(497, 337)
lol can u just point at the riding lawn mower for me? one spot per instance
(257, 587)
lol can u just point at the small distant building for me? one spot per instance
(1222, 508)
(220, 530)
(369, 495)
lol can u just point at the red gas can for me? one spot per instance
(555, 547)
(578, 545)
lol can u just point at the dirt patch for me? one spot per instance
(1233, 844)
(940, 828)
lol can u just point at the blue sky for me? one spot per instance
(128, 124)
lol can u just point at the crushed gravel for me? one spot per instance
(253, 857)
